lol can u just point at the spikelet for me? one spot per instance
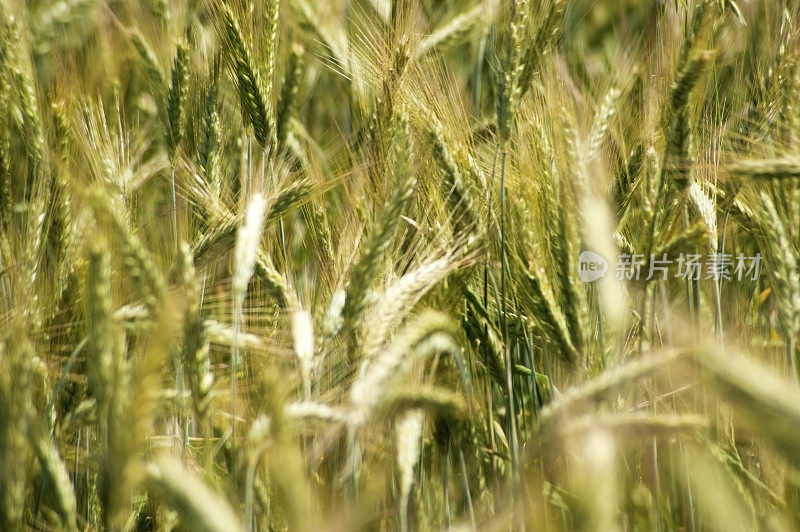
(212, 132)
(381, 122)
(509, 88)
(289, 90)
(149, 62)
(695, 235)
(550, 316)
(15, 396)
(176, 101)
(601, 122)
(611, 382)
(221, 237)
(641, 425)
(677, 157)
(465, 216)
(272, 15)
(454, 30)
(136, 259)
(573, 294)
(6, 201)
(101, 326)
(687, 79)
(223, 335)
(275, 282)
(253, 96)
(196, 349)
(439, 403)
(763, 402)
(34, 134)
(483, 337)
(56, 473)
(245, 255)
(59, 215)
(367, 268)
(787, 279)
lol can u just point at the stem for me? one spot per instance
(237, 324)
(794, 358)
(465, 477)
(503, 258)
(174, 206)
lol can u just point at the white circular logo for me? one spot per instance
(591, 266)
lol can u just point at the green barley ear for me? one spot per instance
(787, 279)
(6, 202)
(54, 471)
(288, 99)
(687, 79)
(679, 133)
(34, 136)
(150, 62)
(367, 268)
(15, 396)
(484, 338)
(212, 131)
(454, 30)
(601, 122)
(439, 403)
(509, 89)
(101, 327)
(541, 42)
(253, 96)
(176, 101)
(693, 237)
(550, 317)
(272, 15)
(136, 259)
(196, 349)
(60, 213)
(380, 123)
(465, 216)
(107, 375)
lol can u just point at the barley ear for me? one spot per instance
(196, 348)
(288, 99)
(176, 101)
(198, 507)
(253, 96)
(368, 265)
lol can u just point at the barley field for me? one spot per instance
(399, 265)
